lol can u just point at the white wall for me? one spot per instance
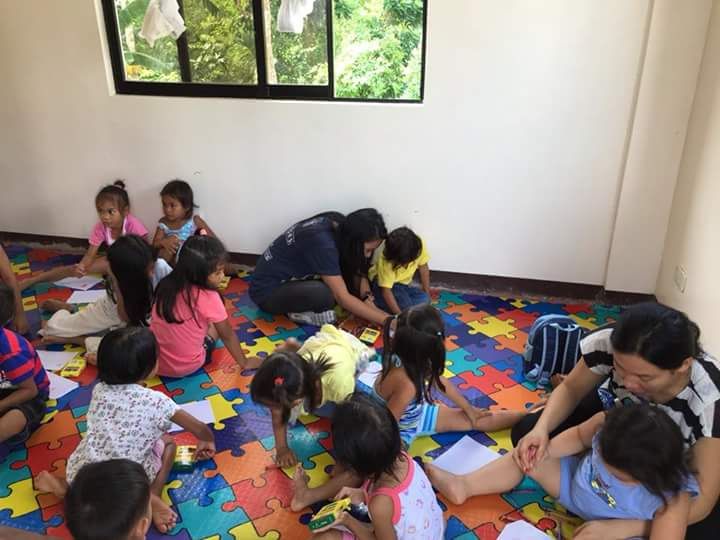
(523, 132)
(667, 87)
(692, 238)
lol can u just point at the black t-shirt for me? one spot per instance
(305, 250)
(696, 409)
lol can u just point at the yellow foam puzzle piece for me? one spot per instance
(222, 408)
(492, 327)
(502, 440)
(247, 531)
(21, 500)
(262, 344)
(165, 495)
(585, 323)
(421, 446)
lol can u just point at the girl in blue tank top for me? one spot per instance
(629, 463)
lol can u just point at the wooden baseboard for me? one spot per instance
(509, 286)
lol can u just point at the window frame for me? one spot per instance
(261, 90)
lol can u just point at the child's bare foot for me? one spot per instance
(557, 379)
(163, 516)
(449, 484)
(52, 305)
(47, 483)
(301, 498)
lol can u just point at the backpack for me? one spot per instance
(553, 346)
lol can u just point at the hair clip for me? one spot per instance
(279, 381)
(439, 333)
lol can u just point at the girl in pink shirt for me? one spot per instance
(189, 313)
(113, 207)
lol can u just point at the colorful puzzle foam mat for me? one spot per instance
(233, 495)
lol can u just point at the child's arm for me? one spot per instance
(7, 276)
(576, 439)
(158, 238)
(202, 225)
(670, 522)
(206, 441)
(86, 261)
(284, 457)
(390, 301)
(424, 271)
(230, 340)
(26, 390)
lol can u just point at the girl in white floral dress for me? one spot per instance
(127, 420)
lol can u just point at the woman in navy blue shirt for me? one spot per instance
(320, 262)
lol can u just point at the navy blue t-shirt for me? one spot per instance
(306, 249)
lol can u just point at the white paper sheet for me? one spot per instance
(59, 386)
(85, 297)
(202, 410)
(371, 373)
(80, 283)
(55, 360)
(465, 456)
(521, 530)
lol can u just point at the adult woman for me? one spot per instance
(652, 354)
(319, 262)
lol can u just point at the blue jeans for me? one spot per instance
(405, 296)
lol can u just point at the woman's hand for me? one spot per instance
(532, 449)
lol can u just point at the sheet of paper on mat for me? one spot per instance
(59, 386)
(465, 456)
(521, 530)
(55, 360)
(85, 297)
(202, 410)
(371, 373)
(80, 283)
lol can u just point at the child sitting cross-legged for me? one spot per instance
(127, 420)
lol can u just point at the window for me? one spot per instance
(341, 50)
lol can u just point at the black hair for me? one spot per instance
(180, 190)
(126, 355)
(7, 304)
(130, 258)
(365, 225)
(106, 500)
(198, 258)
(402, 246)
(285, 377)
(644, 442)
(366, 437)
(419, 342)
(659, 334)
(116, 193)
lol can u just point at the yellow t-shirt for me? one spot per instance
(382, 270)
(344, 351)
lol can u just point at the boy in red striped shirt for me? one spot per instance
(24, 385)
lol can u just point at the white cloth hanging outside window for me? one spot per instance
(162, 18)
(292, 13)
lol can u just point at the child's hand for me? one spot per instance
(204, 450)
(476, 417)
(342, 519)
(357, 495)
(91, 358)
(171, 243)
(80, 270)
(252, 362)
(284, 457)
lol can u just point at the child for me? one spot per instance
(413, 364)
(134, 274)
(24, 385)
(127, 420)
(394, 265)
(178, 222)
(7, 276)
(295, 380)
(189, 313)
(636, 469)
(400, 499)
(113, 208)
(109, 499)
